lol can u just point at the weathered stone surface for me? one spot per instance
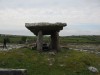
(13, 72)
(93, 69)
(45, 24)
(47, 28)
(39, 41)
(43, 28)
(55, 41)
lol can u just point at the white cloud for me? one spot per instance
(14, 14)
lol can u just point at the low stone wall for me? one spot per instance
(13, 72)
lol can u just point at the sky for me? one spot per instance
(82, 16)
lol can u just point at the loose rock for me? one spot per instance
(93, 69)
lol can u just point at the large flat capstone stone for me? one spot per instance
(13, 72)
(46, 28)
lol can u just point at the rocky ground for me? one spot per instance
(92, 48)
(11, 46)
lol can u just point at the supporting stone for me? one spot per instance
(39, 41)
(55, 41)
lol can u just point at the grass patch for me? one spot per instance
(66, 62)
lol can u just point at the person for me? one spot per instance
(4, 43)
(26, 41)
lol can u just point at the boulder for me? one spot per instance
(93, 69)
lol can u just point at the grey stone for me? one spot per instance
(93, 69)
(13, 72)
(44, 28)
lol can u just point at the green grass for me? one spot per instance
(18, 39)
(75, 62)
(63, 39)
(80, 39)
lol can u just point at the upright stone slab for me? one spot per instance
(57, 46)
(39, 41)
(55, 41)
(44, 28)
